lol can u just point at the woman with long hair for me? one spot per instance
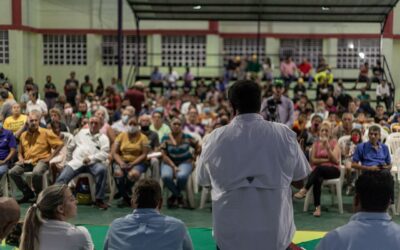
(325, 157)
(45, 226)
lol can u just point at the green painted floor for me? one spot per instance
(199, 221)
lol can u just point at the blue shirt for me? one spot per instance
(369, 156)
(178, 153)
(147, 229)
(7, 141)
(366, 231)
(156, 76)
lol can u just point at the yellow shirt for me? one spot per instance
(10, 97)
(14, 124)
(38, 146)
(131, 149)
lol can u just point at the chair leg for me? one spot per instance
(307, 200)
(339, 197)
(92, 185)
(190, 192)
(5, 190)
(204, 196)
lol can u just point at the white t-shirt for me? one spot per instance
(61, 235)
(250, 164)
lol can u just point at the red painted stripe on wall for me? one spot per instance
(16, 13)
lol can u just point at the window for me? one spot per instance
(64, 50)
(183, 51)
(300, 48)
(353, 52)
(244, 47)
(4, 49)
(129, 50)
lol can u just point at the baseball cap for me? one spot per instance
(278, 82)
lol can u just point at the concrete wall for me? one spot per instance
(6, 11)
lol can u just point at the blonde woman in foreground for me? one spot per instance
(46, 227)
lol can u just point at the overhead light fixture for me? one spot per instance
(325, 8)
(197, 7)
(351, 46)
(361, 55)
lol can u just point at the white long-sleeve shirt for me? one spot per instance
(96, 147)
(381, 91)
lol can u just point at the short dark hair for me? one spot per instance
(375, 189)
(146, 194)
(374, 128)
(245, 96)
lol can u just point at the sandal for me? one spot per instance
(317, 212)
(301, 194)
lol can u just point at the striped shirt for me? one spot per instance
(178, 153)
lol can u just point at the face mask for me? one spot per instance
(68, 111)
(133, 129)
(316, 125)
(145, 128)
(125, 119)
(206, 110)
(355, 138)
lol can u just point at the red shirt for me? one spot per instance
(305, 68)
(113, 102)
(136, 98)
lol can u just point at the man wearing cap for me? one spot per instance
(278, 108)
(135, 96)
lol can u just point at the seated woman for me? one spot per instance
(130, 153)
(325, 156)
(46, 227)
(106, 128)
(177, 161)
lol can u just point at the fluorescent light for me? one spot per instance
(351, 46)
(325, 8)
(361, 55)
(197, 7)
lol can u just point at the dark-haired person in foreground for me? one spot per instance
(371, 227)
(250, 164)
(146, 228)
(9, 215)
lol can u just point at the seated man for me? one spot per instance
(371, 227)
(36, 148)
(87, 151)
(8, 147)
(146, 228)
(9, 216)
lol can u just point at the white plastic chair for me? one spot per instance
(28, 178)
(336, 185)
(92, 183)
(205, 194)
(4, 184)
(384, 133)
(189, 191)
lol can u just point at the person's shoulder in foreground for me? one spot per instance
(371, 227)
(9, 215)
(146, 228)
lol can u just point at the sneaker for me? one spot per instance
(101, 204)
(26, 198)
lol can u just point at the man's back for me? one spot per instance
(147, 229)
(250, 164)
(365, 231)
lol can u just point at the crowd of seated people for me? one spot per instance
(160, 128)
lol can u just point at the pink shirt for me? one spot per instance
(288, 69)
(321, 152)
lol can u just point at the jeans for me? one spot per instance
(123, 183)
(38, 170)
(98, 170)
(3, 170)
(167, 175)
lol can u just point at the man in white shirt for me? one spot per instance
(36, 104)
(250, 165)
(383, 94)
(86, 154)
(371, 227)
